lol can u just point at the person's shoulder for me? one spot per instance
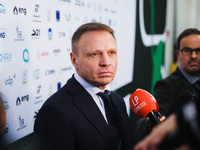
(58, 97)
(174, 78)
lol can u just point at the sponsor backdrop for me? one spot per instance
(35, 43)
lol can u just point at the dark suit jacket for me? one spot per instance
(168, 93)
(71, 120)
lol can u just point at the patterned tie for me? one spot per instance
(110, 113)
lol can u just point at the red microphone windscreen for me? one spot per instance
(142, 103)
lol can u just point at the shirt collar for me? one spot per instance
(91, 89)
(191, 78)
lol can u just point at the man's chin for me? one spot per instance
(105, 81)
(194, 71)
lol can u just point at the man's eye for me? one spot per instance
(94, 54)
(112, 52)
(186, 50)
(198, 50)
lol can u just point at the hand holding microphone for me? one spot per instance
(144, 104)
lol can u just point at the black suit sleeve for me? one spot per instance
(165, 97)
(52, 131)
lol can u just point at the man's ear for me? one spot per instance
(177, 53)
(73, 59)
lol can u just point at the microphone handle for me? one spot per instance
(152, 116)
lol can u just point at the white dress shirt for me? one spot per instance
(93, 90)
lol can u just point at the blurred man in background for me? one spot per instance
(183, 84)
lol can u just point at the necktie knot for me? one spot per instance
(104, 96)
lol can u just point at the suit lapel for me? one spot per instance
(85, 103)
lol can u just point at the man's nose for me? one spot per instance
(194, 54)
(105, 60)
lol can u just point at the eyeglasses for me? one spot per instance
(189, 51)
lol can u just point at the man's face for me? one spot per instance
(190, 63)
(97, 58)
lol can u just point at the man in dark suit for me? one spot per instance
(169, 92)
(76, 117)
(182, 85)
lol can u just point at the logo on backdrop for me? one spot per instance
(65, 69)
(56, 52)
(26, 55)
(36, 16)
(19, 35)
(36, 8)
(36, 74)
(6, 128)
(19, 10)
(22, 124)
(24, 77)
(9, 81)
(38, 95)
(42, 54)
(5, 57)
(6, 105)
(61, 34)
(79, 3)
(50, 72)
(65, 1)
(57, 15)
(58, 85)
(35, 33)
(68, 17)
(50, 34)
(2, 33)
(2, 9)
(49, 15)
(21, 100)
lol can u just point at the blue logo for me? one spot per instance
(50, 34)
(2, 9)
(26, 55)
(2, 33)
(5, 57)
(58, 85)
(57, 15)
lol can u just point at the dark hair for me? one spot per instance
(93, 26)
(187, 32)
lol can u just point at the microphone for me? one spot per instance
(144, 104)
(186, 95)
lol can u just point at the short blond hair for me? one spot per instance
(93, 26)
